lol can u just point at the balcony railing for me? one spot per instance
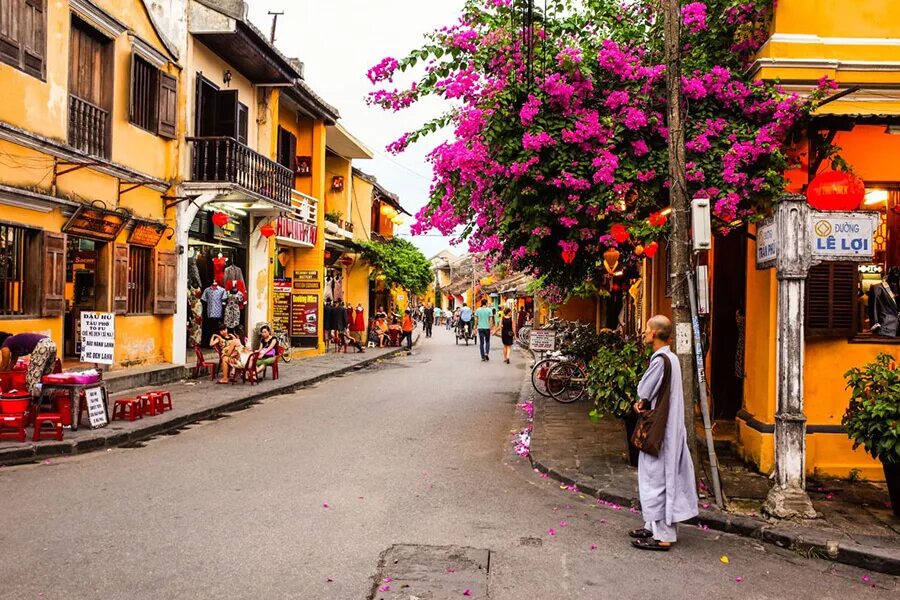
(307, 206)
(88, 127)
(225, 160)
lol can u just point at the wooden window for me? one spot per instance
(20, 291)
(90, 89)
(23, 37)
(120, 279)
(139, 280)
(168, 106)
(165, 283)
(831, 299)
(243, 123)
(287, 148)
(12, 277)
(144, 105)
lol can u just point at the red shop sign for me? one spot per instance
(298, 231)
(836, 190)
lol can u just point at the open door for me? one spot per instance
(728, 325)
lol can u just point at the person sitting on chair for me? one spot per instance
(268, 349)
(381, 332)
(394, 331)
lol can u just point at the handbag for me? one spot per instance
(651, 426)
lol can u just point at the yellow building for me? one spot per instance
(89, 144)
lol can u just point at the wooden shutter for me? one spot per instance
(164, 283)
(227, 113)
(168, 106)
(53, 288)
(10, 42)
(120, 279)
(243, 123)
(33, 37)
(831, 300)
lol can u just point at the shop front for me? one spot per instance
(296, 290)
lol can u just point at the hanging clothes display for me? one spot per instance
(219, 269)
(234, 273)
(233, 303)
(193, 273)
(214, 296)
(359, 321)
(329, 289)
(338, 287)
(236, 285)
(195, 319)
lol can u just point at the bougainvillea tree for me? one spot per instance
(558, 139)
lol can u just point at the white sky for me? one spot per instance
(339, 40)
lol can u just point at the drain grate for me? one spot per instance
(432, 573)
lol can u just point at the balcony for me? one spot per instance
(88, 127)
(305, 207)
(225, 160)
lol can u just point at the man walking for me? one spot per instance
(484, 319)
(666, 481)
(407, 329)
(428, 318)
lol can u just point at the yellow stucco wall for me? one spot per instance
(335, 166)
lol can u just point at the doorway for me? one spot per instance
(728, 325)
(87, 286)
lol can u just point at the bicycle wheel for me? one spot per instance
(524, 333)
(566, 382)
(539, 375)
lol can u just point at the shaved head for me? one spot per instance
(661, 326)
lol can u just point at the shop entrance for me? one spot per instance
(87, 286)
(728, 326)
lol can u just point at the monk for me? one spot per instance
(666, 482)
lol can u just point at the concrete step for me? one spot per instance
(137, 377)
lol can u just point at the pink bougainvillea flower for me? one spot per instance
(738, 579)
(451, 570)
(388, 579)
(593, 547)
(865, 578)
(384, 588)
(325, 505)
(551, 532)
(467, 593)
(563, 523)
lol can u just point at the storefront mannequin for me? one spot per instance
(219, 268)
(884, 305)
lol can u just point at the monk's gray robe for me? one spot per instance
(666, 482)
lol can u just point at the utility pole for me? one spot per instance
(275, 16)
(680, 242)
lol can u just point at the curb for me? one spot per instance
(33, 452)
(809, 542)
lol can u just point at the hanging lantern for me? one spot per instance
(657, 219)
(619, 233)
(568, 256)
(836, 190)
(397, 220)
(638, 250)
(267, 230)
(220, 219)
(327, 255)
(650, 249)
(385, 210)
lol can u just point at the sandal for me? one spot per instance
(640, 533)
(650, 544)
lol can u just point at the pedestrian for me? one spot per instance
(437, 315)
(665, 472)
(507, 333)
(407, 329)
(428, 321)
(484, 318)
(327, 323)
(41, 351)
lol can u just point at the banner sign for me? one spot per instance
(306, 279)
(146, 233)
(96, 407)
(304, 315)
(296, 231)
(542, 340)
(96, 223)
(281, 309)
(98, 337)
(843, 236)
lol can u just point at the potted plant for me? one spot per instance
(334, 216)
(872, 419)
(612, 380)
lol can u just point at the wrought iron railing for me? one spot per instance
(224, 159)
(306, 205)
(88, 127)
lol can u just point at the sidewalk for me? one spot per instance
(193, 400)
(856, 526)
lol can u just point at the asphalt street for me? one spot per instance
(303, 495)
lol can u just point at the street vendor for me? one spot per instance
(41, 350)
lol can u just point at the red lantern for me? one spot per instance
(650, 249)
(619, 233)
(346, 260)
(267, 230)
(327, 255)
(568, 256)
(220, 219)
(836, 190)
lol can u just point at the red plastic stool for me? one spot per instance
(53, 419)
(12, 427)
(128, 408)
(165, 400)
(151, 403)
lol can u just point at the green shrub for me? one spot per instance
(873, 417)
(614, 373)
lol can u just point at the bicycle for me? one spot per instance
(567, 380)
(284, 342)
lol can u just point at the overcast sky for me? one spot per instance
(339, 40)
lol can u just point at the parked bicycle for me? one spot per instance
(284, 342)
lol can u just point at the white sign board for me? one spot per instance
(843, 236)
(98, 337)
(542, 340)
(96, 408)
(766, 244)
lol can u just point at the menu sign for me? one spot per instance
(304, 315)
(96, 407)
(281, 316)
(96, 223)
(146, 233)
(98, 337)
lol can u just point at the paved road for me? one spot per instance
(414, 450)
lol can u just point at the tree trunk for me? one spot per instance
(680, 241)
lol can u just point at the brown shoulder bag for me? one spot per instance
(651, 426)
